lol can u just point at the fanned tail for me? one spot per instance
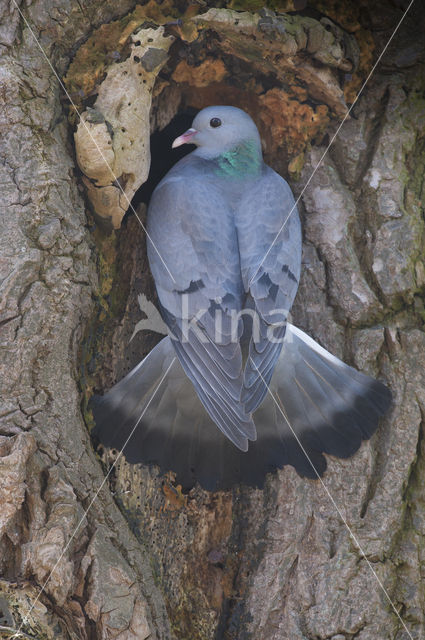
(329, 406)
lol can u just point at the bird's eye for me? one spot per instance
(215, 122)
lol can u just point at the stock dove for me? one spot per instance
(234, 391)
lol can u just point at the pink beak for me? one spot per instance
(185, 138)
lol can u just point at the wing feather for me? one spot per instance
(191, 223)
(269, 235)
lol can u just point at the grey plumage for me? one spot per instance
(225, 240)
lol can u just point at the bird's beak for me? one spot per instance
(184, 138)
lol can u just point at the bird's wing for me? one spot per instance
(191, 229)
(270, 246)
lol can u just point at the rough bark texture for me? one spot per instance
(147, 561)
(103, 585)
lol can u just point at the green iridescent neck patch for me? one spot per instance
(241, 161)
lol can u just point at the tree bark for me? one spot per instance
(300, 559)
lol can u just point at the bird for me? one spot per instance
(234, 391)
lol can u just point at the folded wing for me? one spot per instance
(200, 291)
(269, 236)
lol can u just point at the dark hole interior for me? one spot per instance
(163, 157)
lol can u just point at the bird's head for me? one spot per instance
(216, 130)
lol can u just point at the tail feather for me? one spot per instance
(367, 399)
(316, 405)
(335, 428)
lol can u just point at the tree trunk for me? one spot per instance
(300, 559)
